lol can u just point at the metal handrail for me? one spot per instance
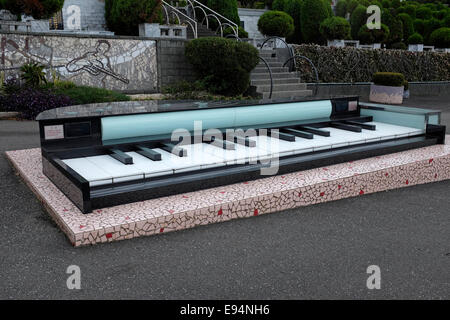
(191, 22)
(270, 73)
(312, 65)
(291, 51)
(217, 15)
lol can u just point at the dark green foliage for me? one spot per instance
(279, 5)
(335, 28)
(415, 38)
(419, 26)
(276, 23)
(440, 38)
(429, 26)
(313, 12)
(241, 32)
(293, 8)
(396, 3)
(85, 95)
(386, 3)
(351, 5)
(398, 46)
(396, 31)
(341, 8)
(223, 65)
(124, 16)
(368, 36)
(408, 26)
(392, 79)
(227, 8)
(446, 21)
(440, 14)
(357, 20)
(33, 74)
(424, 13)
(38, 9)
(358, 65)
(410, 10)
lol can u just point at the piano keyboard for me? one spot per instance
(104, 169)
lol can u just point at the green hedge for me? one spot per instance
(440, 38)
(415, 38)
(358, 65)
(223, 65)
(276, 23)
(392, 79)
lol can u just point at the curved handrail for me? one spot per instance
(291, 51)
(312, 65)
(270, 73)
(234, 25)
(193, 23)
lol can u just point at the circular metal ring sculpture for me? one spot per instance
(311, 64)
(291, 52)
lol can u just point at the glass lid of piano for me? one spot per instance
(107, 154)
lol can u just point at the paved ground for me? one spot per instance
(320, 251)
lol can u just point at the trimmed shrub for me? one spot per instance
(357, 20)
(396, 31)
(293, 8)
(279, 5)
(366, 35)
(446, 21)
(419, 26)
(398, 46)
(358, 65)
(440, 38)
(351, 5)
(335, 28)
(429, 26)
(391, 79)
(227, 8)
(424, 13)
(408, 27)
(313, 12)
(276, 23)
(241, 32)
(415, 38)
(341, 8)
(124, 16)
(223, 65)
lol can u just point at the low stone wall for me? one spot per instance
(126, 64)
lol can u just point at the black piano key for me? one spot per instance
(316, 131)
(121, 156)
(176, 150)
(347, 127)
(298, 133)
(282, 136)
(245, 141)
(363, 125)
(224, 144)
(149, 153)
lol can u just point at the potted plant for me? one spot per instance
(387, 87)
(335, 30)
(415, 42)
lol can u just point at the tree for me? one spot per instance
(357, 20)
(313, 12)
(293, 8)
(341, 8)
(335, 28)
(366, 35)
(227, 8)
(38, 9)
(408, 26)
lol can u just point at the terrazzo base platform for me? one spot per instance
(266, 195)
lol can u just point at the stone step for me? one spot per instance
(272, 64)
(266, 76)
(282, 87)
(288, 94)
(275, 81)
(263, 69)
(267, 53)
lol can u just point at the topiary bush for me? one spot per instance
(227, 8)
(429, 26)
(368, 36)
(415, 38)
(440, 38)
(223, 65)
(398, 46)
(241, 32)
(408, 26)
(341, 8)
(124, 16)
(424, 13)
(419, 26)
(276, 23)
(313, 12)
(391, 79)
(279, 5)
(293, 8)
(357, 20)
(335, 28)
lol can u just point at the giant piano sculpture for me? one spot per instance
(108, 154)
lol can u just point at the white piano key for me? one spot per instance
(92, 173)
(119, 171)
(395, 131)
(149, 167)
(241, 154)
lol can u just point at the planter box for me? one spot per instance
(336, 43)
(156, 30)
(415, 47)
(386, 94)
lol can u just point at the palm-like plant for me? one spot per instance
(33, 74)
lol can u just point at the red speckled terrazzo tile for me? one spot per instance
(246, 199)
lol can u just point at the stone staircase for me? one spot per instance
(285, 84)
(202, 31)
